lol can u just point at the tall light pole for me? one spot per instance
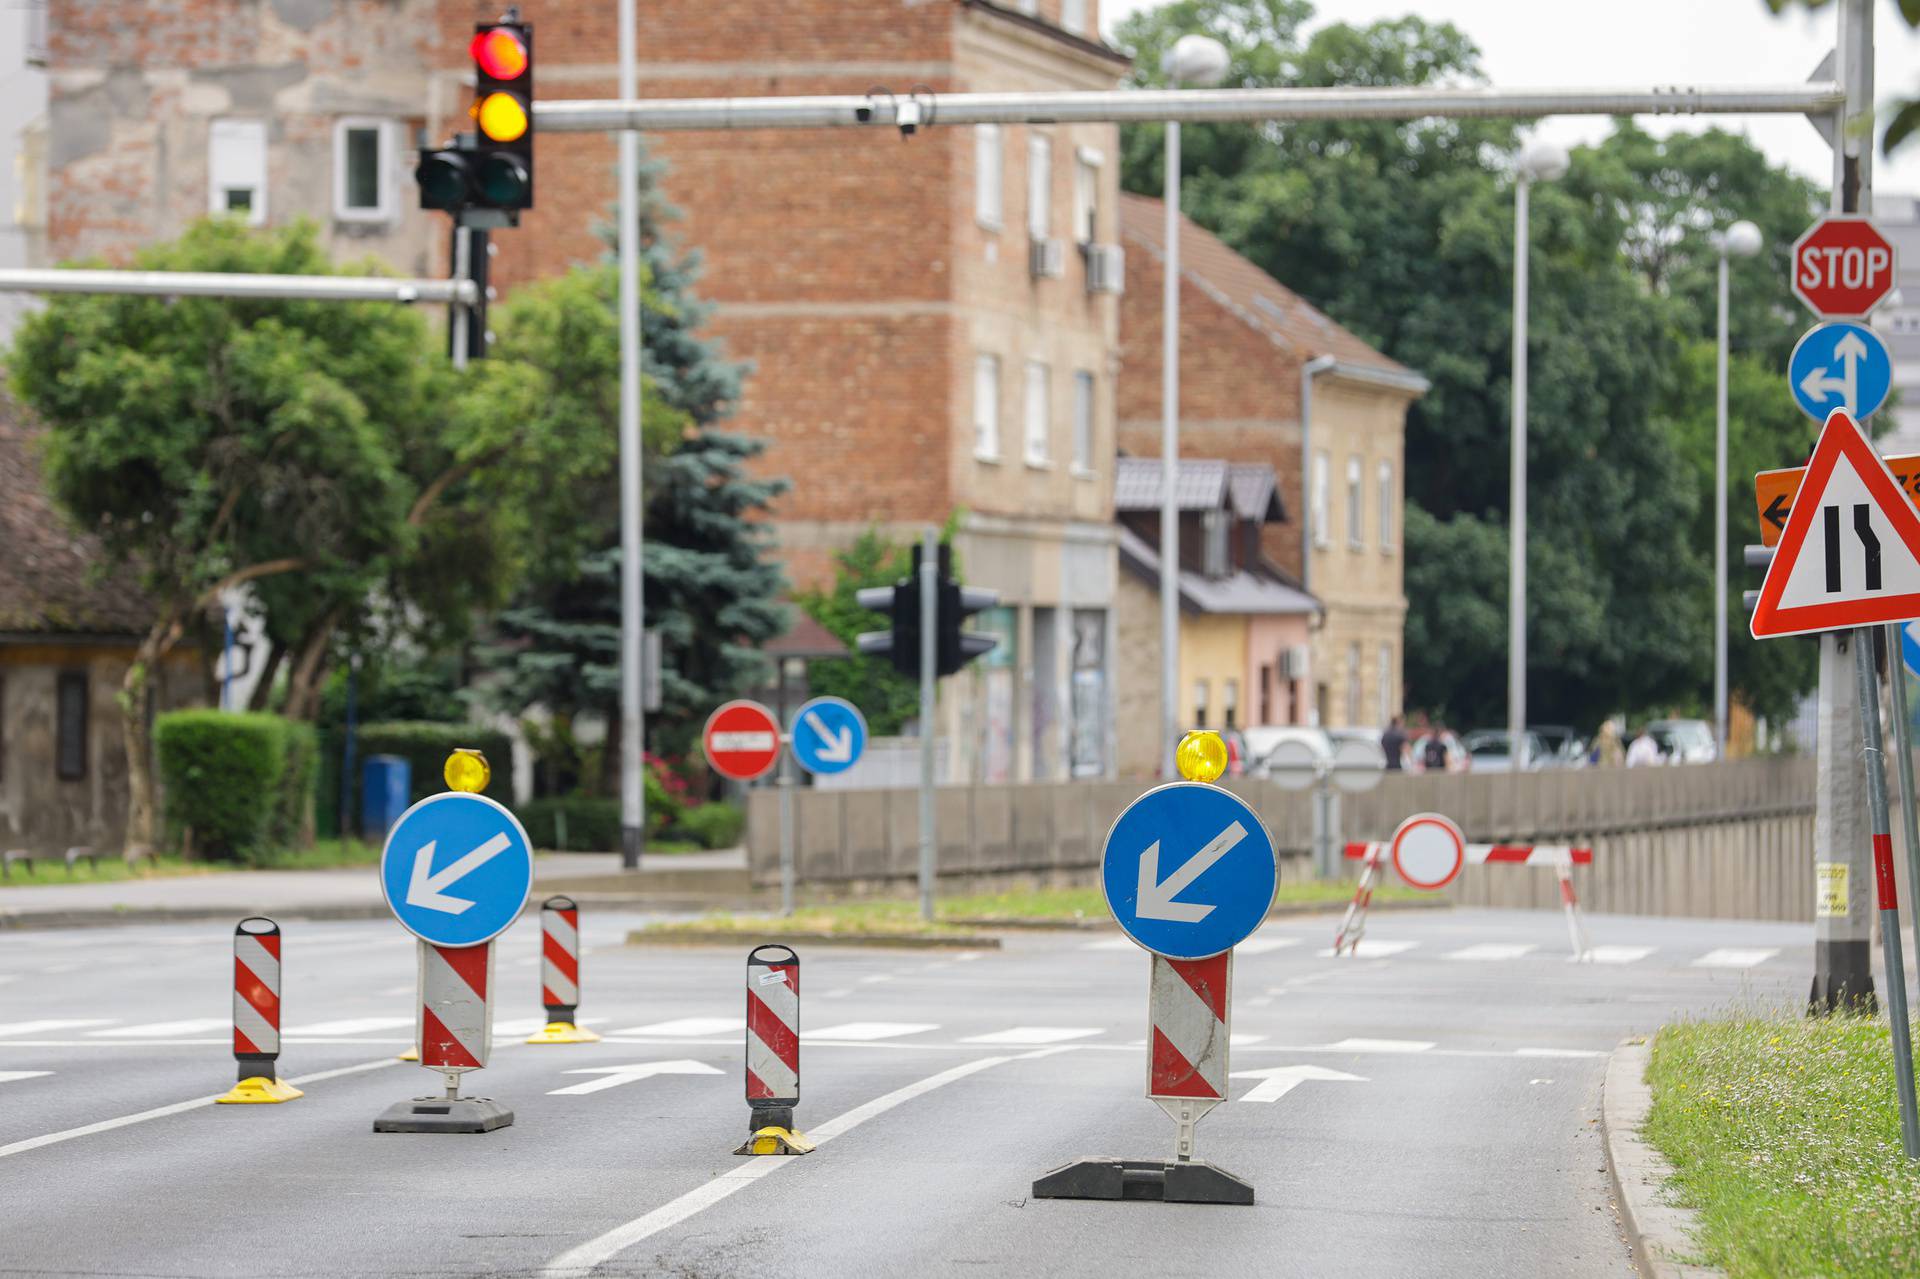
(1540, 161)
(1741, 240)
(1192, 61)
(633, 793)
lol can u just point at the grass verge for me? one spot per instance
(324, 855)
(1784, 1133)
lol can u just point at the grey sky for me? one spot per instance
(1656, 42)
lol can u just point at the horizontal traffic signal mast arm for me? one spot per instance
(1191, 106)
(227, 284)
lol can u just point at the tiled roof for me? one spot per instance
(51, 579)
(1237, 592)
(1200, 484)
(1261, 302)
(1255, 492)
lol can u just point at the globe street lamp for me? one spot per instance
(1193, 61)
(1539, 161)
(1741, 240)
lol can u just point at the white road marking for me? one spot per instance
(1033, 1035)
(1618, 954)
(54, 970)
(527, 1025)
(8, 1028)
(165, 1029)
(1109, 943)
(1735, 957)
(1557, 1052)
(966, 958)
(408, 989)
(880, 977)
(349, 1026)
(869, 1030)
(614, 1076)
(1381, 1046)
(1488, 951)
(1277, 1081)
(13, 1076)
(1261, 945)
(1259, 1001)
(687, 1026)
(1238, 1040)
(580, 1262)
(1370, 949)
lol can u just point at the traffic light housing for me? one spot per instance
(900, 643)
(491, 168)
(954, 646)
(957, 646)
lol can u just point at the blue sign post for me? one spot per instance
(829, 735)
(1188, 870)
(1840, 366)
(457, 869)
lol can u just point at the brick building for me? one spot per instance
(1244, 340)
(932, 321)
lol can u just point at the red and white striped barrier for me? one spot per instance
(1187, 1011)
(256, 1013)
(455, 1030)
(560, 973)
(1427, 852)
(773, 1052)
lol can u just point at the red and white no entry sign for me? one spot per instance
(742, 740)
(1428, 850)
(1842, 266)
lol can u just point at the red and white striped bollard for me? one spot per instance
(560, 973)
(773, 1052)
(256, 1014)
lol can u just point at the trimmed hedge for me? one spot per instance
(713, 825)
(593, 825)
(236, 784)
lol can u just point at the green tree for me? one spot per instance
(887, 698)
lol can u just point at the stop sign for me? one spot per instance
(1842, 266)
(742, 740)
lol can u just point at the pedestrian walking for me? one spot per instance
(1644, 751)
(1393, 744)
(1607, 750)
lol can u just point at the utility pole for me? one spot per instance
(633, 793)
(1843, 913)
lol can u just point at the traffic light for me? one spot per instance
(954, 646)
(1759, 557)
(491, 168)
(900, 644)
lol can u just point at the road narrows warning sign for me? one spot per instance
(1851, 555)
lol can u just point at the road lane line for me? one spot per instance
(581, 1261)
(1033, 1035)
(686, 1026)
(14, 1076)
(864, 1031)
(1381, 1045)
(11, 1028)
(164, 1029)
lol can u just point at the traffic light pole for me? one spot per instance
(929, 610)
(633, 795)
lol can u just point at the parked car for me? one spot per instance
(1491, 750)
(1566, 748)
(1684, 741)
(1262, 739)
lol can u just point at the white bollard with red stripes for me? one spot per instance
(453, 1034)
(560, 973)
(256, 1014)
(1187, 1046)
(773, 1052)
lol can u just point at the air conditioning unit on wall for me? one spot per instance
(1294, 662)
(1046, 259)
(1106, 268)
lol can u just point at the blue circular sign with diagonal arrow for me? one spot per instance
(1188, 870)
(457, 869)
(829, 735)
(1840, 366)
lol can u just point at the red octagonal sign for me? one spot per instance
(742, 740)
(1842, 266)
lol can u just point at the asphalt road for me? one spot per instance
(1466, 1142)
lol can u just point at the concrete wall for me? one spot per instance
(1730, 840)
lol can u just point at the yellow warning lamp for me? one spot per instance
(1201, 757)
(467, 771)
(502, 117)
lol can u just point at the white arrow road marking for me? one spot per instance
(1278, 1081)
(614, 1076)
(1155, 896)
(424, 888)
(835, 748)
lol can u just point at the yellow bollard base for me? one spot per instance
(259, 1091)
(412, 1054)
(563, 1032)
(775, 1141)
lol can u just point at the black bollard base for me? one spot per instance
(1167, 1182)
(444, 1114)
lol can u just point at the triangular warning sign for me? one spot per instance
(1850, 554)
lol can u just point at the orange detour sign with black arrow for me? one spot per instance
(1850, 553)
(1773, 492)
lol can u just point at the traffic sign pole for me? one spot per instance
(929, 623)
(785, 784)
(1888, 896)
(1903, 752)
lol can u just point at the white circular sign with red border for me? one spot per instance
(742, 740)
(1428, 850)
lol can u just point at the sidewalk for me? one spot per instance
(667, 880)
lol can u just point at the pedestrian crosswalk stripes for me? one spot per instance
(164, 1029)
(1033, 1035)
(1375, 948)
(1735, 957)
(1383, 1045)
(1262, 945)
(1618, 954)
(1490, 950)
(866, 1031)
(349, 1026)
(687, 1026)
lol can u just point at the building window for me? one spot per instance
(1356, 528)
(1073, 16)
(1213, 544)
(363, 185)
(1230, 703)
(1353, 684)
(1086, 194)
(1029, 7)
(70, 726)
(1039, 186)
(1387, 711)
(1320, 465)
(1387, 503)
(986, 407)
(1038, 419)
(986, 175)
(237, 169)
(1083, 423)
(1266, 693)
(1200, 698)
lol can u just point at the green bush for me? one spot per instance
(713, 825)
(238, 785)
(592, 825)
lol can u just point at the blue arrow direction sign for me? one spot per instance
(1910, 646)
(1188, 870)
(1840, 366)
(829, 735)
(456, 869)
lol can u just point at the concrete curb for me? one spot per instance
(1660, 1233)
(878, 941)
(1091, 924)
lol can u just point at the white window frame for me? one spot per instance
(1039, 186)
(1087, 163)
(1356, 510)
(1387, 711)
(1321, 516)
(1383, 480)
(221, 166)
(386, 208)
(988, 171)
(1038, 413)
(986, 407)
(1073, 16)
(1085, 395)
(1202, 702)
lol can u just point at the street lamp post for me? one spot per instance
(1540, 161)
(1193, 60)
(1742, 239)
